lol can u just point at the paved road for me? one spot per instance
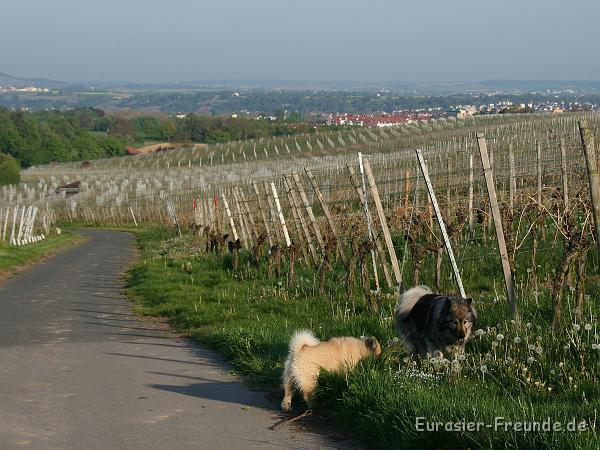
(78, 370)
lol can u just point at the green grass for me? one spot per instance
(519, 372)
(14, 258)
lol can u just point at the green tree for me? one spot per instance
(10, 172)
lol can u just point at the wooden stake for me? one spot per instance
(133, 215)
(274, 219)
(230, 217)
(565, 177)
(262, 214)
(330, 221)
(471, 220)
(441, 224)
(383, 222)
(489, 179)
(587, 141)
(406, 190)
(512, 185)
(286, 235)
(248, 215)
(301, 230)
(245, 238)
(538, 151)
(14, 223)
(369, 220)
(382, 259)
(309, 211)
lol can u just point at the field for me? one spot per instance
(244, 243)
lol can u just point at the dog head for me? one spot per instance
(456, 320)
(372, 345)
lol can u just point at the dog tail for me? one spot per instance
(408, 300)
(302, 339)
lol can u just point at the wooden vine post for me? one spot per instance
(512, 184)
(587, 141)
(245, 237)
(284, 229)
(309, 211)
(252, 227)
(470, 213)
(441, 224)
(230, 217)
(376, 237)
(295, 201)
(564, 173)
(383, 222)
(328, 216)
(491, 188)
(300, 228)
(370, 226)
(272, 211)
(538, 151)
(262, 214)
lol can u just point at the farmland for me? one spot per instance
(244, 242)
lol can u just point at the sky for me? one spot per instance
(324, 40)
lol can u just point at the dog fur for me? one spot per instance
(307, 356)
(430, 323)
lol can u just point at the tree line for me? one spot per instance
(44, 136)
(40, 137)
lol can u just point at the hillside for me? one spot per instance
(18, 82)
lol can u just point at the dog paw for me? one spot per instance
(286, 405)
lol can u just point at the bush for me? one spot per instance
(10, 171)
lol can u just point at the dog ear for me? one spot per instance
(469, 300)
(372, 344)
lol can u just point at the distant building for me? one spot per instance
(376, 120)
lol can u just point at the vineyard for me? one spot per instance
(323, 231)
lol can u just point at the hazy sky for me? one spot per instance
(171, 40)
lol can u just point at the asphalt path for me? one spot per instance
(79, 370)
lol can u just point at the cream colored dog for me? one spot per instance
(308, 355)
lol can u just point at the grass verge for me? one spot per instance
(16, 259)
(515, 377)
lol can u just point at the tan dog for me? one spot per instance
(308, 355)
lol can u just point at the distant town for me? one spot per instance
(382, 107)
